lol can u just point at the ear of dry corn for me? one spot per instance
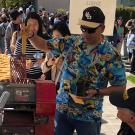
(24, 38)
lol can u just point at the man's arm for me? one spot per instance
(104, 91)
(107, 91)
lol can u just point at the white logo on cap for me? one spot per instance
(88, 16)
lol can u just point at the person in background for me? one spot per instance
(3, 26)
(34, 21)
(13, 26)
(57, 18)
(114, 39)
(120, 32)
(59, 30)
(30, 8)
(125, 103)
(40, 13)
(131, 43)
(45, 19)
(5, 12)
(23, 16)
(51, 18)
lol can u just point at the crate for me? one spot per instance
(19, 93)
(18, 68)
(45, 129)
(17, 122)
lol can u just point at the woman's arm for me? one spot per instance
(38, 42)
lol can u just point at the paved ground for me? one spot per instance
(111, 123)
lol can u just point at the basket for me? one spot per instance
(18, 68)
(13, 68)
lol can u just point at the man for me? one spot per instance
(88, 67)
(13, 26)
(3, 26)
(125, 102)
(131, 44)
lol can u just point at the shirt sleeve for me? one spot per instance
(56, 46)
(60, 45)
(116, 70)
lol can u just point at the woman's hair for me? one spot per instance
(34, 15)
(62, 28)
(3, 18)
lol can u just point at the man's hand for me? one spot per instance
(90, 93)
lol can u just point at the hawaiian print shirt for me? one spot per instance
(85, 67)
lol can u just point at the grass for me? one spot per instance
(131, 78)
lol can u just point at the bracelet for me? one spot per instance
(31, 36)
(47, 65)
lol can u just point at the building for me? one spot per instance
(126, 2)
(52, 5)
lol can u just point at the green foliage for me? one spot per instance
(61, 11)
(3, 3)
(131, 78)
(126, 13)
(13, 3)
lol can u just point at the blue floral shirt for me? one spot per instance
(85, 67)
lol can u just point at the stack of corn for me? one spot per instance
(4, 67)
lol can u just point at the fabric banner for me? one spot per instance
(76, 11)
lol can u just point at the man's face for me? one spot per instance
(125, 115)
(40, 13)
(92, 35)
(45, 13)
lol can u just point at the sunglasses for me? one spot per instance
(88, 30)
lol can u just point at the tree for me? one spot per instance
(13, 3)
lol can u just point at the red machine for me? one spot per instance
(45, 106)
(33, 109)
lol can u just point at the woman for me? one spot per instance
(34, 22)
(120, 32)
(49, 65)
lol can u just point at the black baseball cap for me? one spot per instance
(14, 14)
(124, 99)
(92, 17)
